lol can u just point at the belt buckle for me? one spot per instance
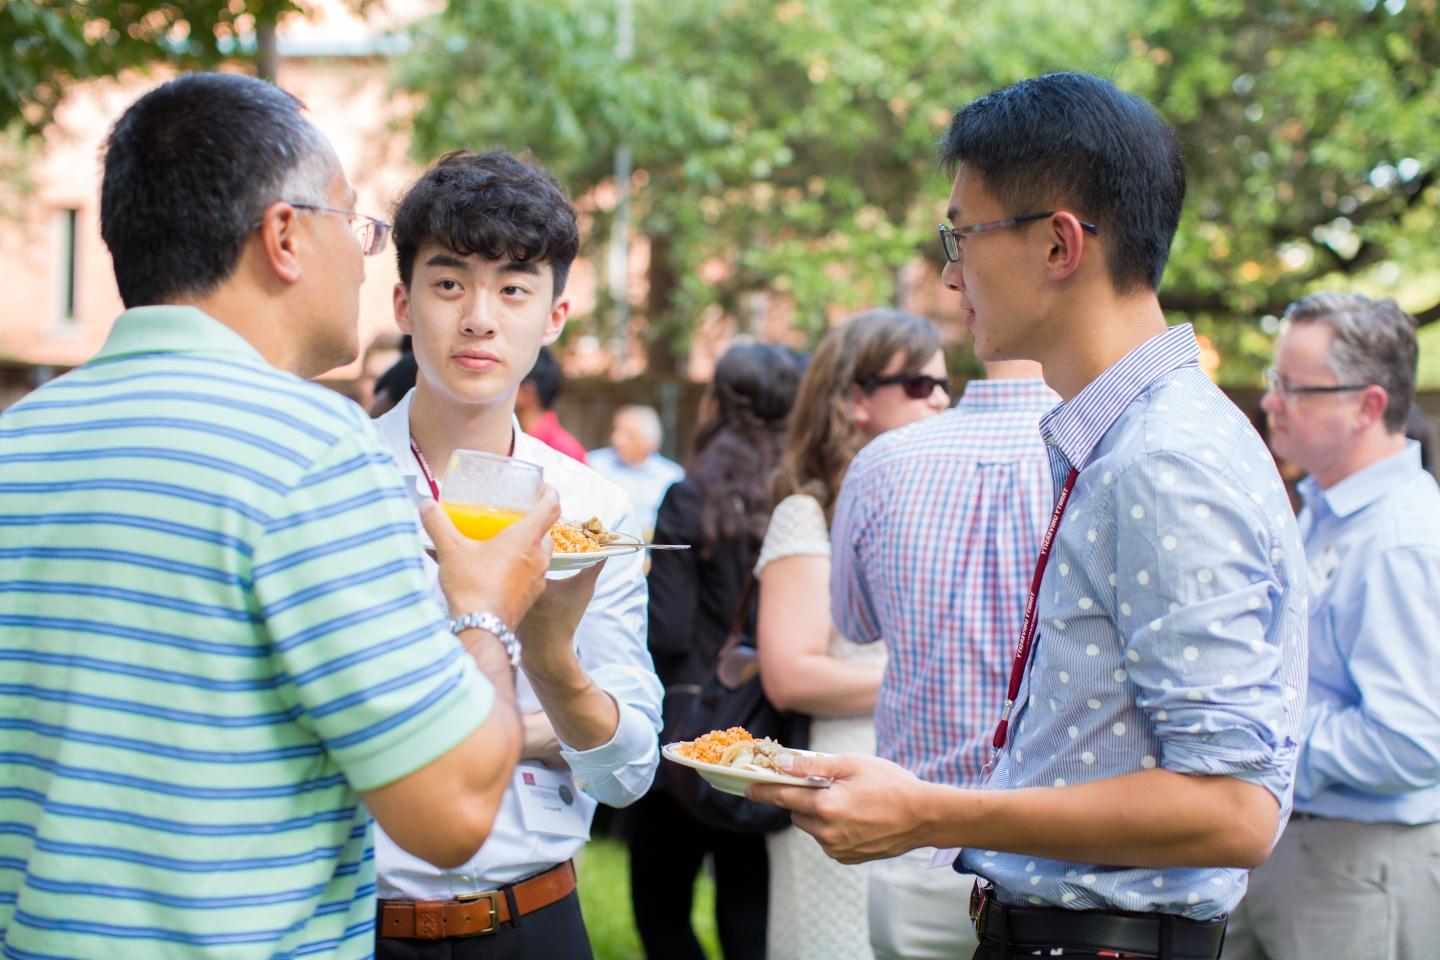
(494, 897)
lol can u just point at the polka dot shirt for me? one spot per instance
(1171, 621)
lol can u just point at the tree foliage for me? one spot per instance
(789, 147)
(1312, 131)
(784, 148)
(50, 43)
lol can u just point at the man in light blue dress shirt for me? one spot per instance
(633, 462)
(1356, 872)
(1151, 749)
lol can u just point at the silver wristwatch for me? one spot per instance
(485, 620)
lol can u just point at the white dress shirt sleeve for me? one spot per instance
(611, 645)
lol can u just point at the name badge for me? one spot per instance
(1323, 569)
(549, 802)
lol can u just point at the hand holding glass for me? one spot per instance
(484, 493)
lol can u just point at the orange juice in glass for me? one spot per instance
(484, 493)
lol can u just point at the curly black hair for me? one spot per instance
(493, 204)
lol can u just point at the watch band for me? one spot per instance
(485, 620)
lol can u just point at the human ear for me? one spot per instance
(400, 300)
(1067, 243)
(279, 240)
(555, 322)
(1373, 401)
(859, 407)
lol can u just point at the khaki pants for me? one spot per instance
(917, 913)
(1342, 890)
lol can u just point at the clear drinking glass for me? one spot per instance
(484, 493)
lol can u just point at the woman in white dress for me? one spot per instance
(879, 370)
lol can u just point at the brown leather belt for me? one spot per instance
(476, 914)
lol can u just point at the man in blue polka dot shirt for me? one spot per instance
(1147, 759)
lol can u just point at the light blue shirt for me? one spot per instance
(1171, 622)
(645, 485)
(1372, 728)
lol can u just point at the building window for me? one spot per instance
(67, 276)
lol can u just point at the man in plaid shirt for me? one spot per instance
(935, 534)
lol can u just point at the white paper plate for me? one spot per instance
(736, 779)
(577, 561)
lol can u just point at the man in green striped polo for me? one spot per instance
(218, 656)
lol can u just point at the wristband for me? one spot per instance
(485, 620)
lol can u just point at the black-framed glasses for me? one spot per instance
(950, 236)
(917, 386)
(1289, 391)
(370, 231)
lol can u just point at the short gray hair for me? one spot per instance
(647, 421)
(1374, 342)
(309, 180)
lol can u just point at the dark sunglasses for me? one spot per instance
(917, 386)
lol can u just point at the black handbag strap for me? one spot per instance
(737, 620)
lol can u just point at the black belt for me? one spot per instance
(1159, 935)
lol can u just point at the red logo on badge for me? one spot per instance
(529, 779)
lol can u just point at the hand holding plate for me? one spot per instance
(872, 810)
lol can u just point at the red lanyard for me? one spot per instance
(425, 469)
(1027, 628)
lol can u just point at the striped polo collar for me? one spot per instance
(1076, 427)
(172, 329)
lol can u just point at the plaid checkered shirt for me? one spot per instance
(934, 539)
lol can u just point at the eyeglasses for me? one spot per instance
(371, 231)
(917, 386)
(950, 237)
(1289, 391)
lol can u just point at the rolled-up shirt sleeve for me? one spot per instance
(851, 607)
(611, 645)
(1198, 586)
(1388, 741)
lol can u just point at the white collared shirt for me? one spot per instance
(610, 642)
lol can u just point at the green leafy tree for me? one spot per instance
(48, 44)
(788, 148)
(784, 148)
(1311, 132)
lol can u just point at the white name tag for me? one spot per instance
(549, 802)
(1323, 569)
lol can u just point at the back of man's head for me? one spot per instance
(1076, 142)
(1373, 341)
(491, 204)
(190, 168)
(546, 377)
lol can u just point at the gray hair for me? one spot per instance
(647, 421)
(1374, 342)
(309, 179)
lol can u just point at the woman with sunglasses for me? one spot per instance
(877, 371)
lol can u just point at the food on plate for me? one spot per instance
(587, 537)
(734, 747)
